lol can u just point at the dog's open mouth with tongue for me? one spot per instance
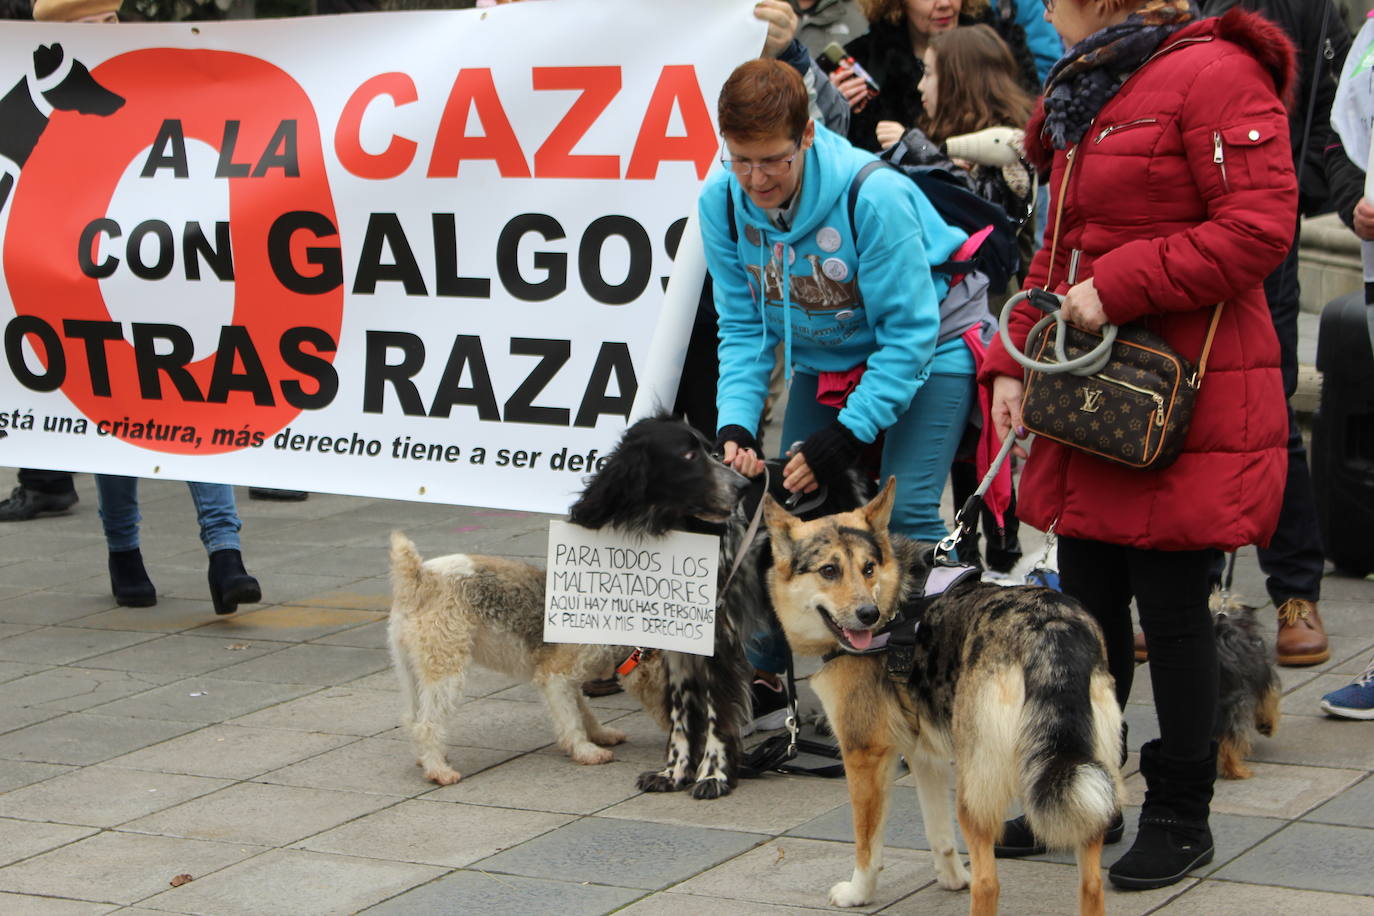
(862, 640)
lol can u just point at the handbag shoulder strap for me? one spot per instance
(1059, 215)
(1201, 370)
(1196, 380)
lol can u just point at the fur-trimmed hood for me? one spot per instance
(1256, 35)
(1268, 43)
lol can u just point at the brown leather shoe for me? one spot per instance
(1302, 639)
(1142, 654)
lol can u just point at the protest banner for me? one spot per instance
(655, 593)
(412, 255)
(1352, 117)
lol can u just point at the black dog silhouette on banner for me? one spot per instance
(57, 83)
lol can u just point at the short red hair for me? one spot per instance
(763, 98)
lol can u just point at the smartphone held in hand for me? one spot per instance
(835, 57)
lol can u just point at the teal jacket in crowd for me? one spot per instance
(1041, 38)
(879, 304)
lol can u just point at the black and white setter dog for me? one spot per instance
(662, 477)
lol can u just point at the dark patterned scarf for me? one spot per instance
(1092, 71)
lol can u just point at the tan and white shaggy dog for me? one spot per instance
(463, 609)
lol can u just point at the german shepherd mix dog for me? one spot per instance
(1009, 682)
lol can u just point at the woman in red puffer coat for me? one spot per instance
(1172, 190)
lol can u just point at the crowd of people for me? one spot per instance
(1158, 155)
(1176, 172)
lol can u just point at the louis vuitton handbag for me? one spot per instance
(1130, 405)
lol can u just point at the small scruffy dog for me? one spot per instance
(463, 608)
(1248, 700)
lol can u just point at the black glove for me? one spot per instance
(830, 451)
(736, 434)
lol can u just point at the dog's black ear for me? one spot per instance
(614, 494)
(879, 511)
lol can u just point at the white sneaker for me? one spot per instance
(769, 703)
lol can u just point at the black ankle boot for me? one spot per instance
(1174, 837)
(230, 584)
(129, 580)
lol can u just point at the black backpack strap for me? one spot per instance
(854, 187)
(955, 267)
(948, 267)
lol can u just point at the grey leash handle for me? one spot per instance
(1087, 364)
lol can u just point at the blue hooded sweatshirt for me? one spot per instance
(1041, 39)
(892, 326)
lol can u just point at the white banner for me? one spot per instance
(1352, 117)
(407, 255)
(655, 593)
(1352, 109)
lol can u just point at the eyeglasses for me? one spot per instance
(770, 167)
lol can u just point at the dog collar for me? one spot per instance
(632, 660)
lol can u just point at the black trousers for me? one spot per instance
(52, 482)
(1170, 589)
(1292, 562)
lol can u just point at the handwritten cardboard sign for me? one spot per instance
(606, 588)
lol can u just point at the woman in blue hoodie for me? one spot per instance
(856, 307)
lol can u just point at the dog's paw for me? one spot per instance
(589, 754)
(951, 873)
(657, 781)
(848, 893)
(710, 788)
(1234, 769)
(445, 777)
(608, 737)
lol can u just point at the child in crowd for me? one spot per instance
(973, 112)
(969, 86)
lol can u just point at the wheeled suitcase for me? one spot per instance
(1343, 433)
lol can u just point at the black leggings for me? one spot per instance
(1170, 590)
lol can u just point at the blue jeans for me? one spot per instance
(917, 450)
(215, 510)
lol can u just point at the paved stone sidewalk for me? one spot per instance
(259, 754)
